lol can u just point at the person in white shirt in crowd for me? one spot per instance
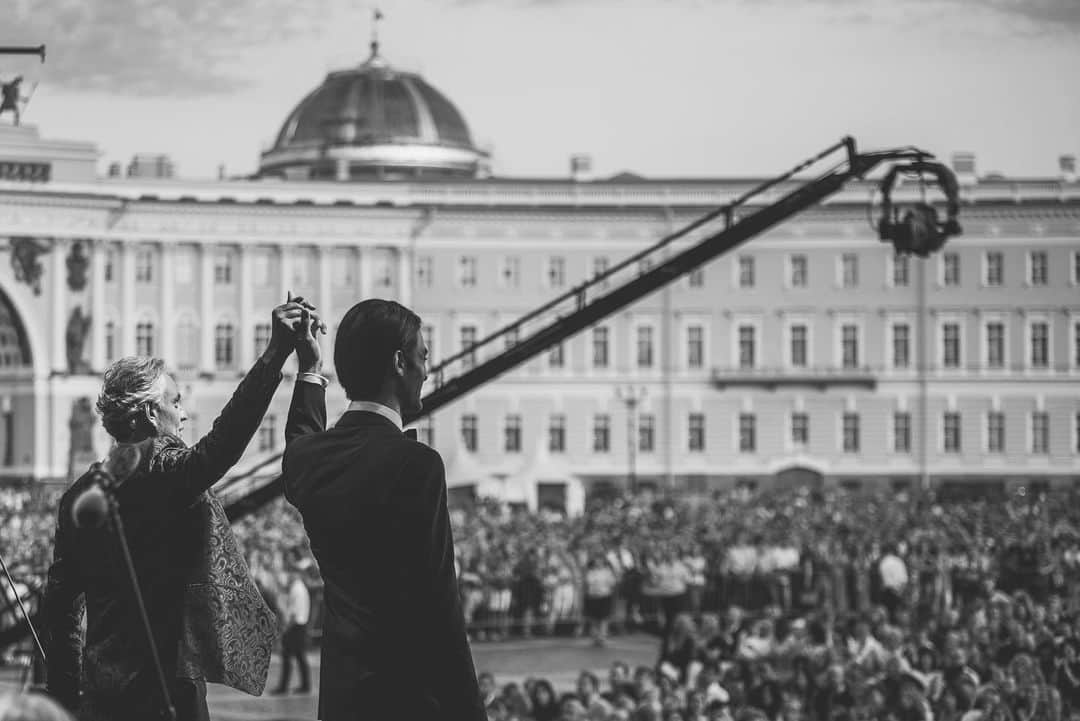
(669, 580)
(294, 642)
(740, 561)
(599, 597)
(694, 560)
(894, 580)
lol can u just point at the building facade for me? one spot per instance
(808, 355)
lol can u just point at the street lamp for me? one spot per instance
(630, 397)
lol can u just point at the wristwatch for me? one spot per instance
(313, 378)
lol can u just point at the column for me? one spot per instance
(58, 284)
(98, 252)
(125, 328)
(167, 331)
(246, 335)
(365, 256)
(207, 321)
(404, 269)
(325, 302)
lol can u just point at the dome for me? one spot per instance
(373, 121)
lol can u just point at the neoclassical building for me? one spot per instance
(810, 354)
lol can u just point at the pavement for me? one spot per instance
(559, 660)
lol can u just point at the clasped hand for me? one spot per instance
(296, 325)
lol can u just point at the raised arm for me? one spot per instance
(307, 412)
(181, 473)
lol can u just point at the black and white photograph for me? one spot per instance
(539, 360)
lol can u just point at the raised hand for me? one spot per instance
(308, 350)
(285, 321)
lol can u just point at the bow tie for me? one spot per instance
(410, 433)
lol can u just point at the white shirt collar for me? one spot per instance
(373, 407)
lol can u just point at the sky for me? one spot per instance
(664, 88)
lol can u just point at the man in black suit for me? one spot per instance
(207, 617)
(373, 502)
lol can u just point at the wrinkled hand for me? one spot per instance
(285, 321)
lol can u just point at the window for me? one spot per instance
(144, 338)
(849, 270)
(110, 265)
(427, 331)
(601, 433)
(995, 268)
(557, 433)
(384, 271)
(223, 270)
(1076, 343)
(800, 429)
(696, 432)
(223, 345)
(747, 433)
(901, 270)
(950, 339)
(424, 271)
(468, 340)
(556, 272)
(1038, 267)
(1040, 432)
(268, 433)
(467, 271)
(144, 265)
(468, 432)
(851, 432)
(995, 432)
(695, 346)
(600, 266)
(798, 345)
(512, 439)
(746, 271)
(600, 347)
(901, 432)
(746, 346)
(1040, 344)
(646, 433)
(950, 269)
(342, 263)
(951, 429)
(511, 337)
(995, 344)
(697, 278)
(110, 341)
(1076, 267)
(260, 267)
(262, 338)
(183, 264)
(849, 345)
(426, 434)
(510, 271)
(556, 356)
(901, 345)
(798, 271)
(644, 346)
(188, 344)
(1076, 441)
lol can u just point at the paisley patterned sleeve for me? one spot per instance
(62, 608)
(176, 475)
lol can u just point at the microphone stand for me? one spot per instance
(15, 593)
(108, 484)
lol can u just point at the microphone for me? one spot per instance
(91, 507)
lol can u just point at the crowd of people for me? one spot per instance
(779, 605)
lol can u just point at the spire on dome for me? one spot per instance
(376, 17)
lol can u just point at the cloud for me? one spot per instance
(154, 47)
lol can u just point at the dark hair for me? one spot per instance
(367, 338)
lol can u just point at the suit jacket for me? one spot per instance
(374, 506)
(209, 620)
